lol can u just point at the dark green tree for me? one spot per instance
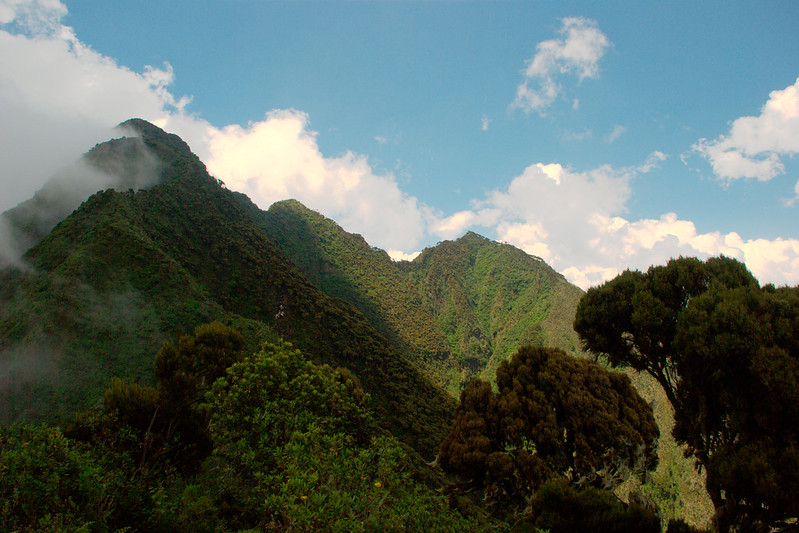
(553, 416)
(163, 431)
(727, 354)
(560, 507)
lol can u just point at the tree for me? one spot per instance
(163, 430)
(297, 450)
(48, 483)
(559, 507)
(727, 354)
(553, 416)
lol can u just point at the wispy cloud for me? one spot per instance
(484, 123)
(615, 133)
(578, 51)
(577, 135)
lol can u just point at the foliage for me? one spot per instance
(298, 451)
(48, 482)
(163, 431)
(559, 507)
(553, 416)
(343, 265)
(680, 526)
(491, 298)
(458, 310)
(162, 260)
(727, 355)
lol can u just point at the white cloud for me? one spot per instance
(398, 255)
(484, 123)
(278, 158)
(59, 97)
(574, 221)
(754, 146)
(652, 160)
(577, 52)
(39, 17)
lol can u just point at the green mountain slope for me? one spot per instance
(490, 298)
(458, 310)
(128, 270)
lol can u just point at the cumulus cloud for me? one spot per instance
(398, 255)
(578, 51)
(754, 146)
(575, 222)
(279, 158)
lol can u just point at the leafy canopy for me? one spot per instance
(553, 416)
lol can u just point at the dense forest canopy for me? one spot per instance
(278, 444)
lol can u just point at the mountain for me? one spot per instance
(344, 265)
(490, 298)
(92, 284)
(458, 309)
(97, 296)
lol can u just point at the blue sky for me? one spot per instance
(598, 136)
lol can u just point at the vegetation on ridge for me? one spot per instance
(458, 310)
(176, 255)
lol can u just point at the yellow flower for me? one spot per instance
(378, 484)
(303, 498)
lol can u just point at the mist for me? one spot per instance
(120, 164)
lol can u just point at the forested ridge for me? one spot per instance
(199, 363)
(458, 309)
(170, 258)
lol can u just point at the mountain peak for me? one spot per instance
(141, 127)
(152, 134)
